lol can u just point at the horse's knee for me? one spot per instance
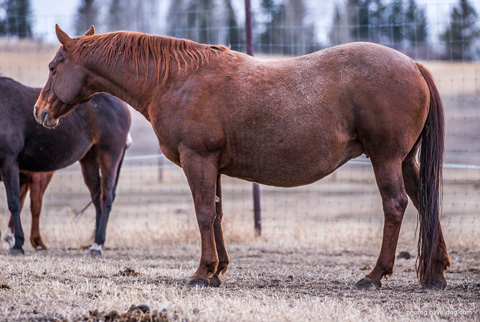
(14, 205)
(107, 201)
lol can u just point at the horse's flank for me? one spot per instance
(141, 48)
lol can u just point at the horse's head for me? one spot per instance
(67, 83)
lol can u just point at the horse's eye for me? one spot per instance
(52, 69)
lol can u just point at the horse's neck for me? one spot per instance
(126, 83)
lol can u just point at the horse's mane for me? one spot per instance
(142, 47)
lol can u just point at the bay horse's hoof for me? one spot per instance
(436, 285)
(40, 248)
(367, 284)
(215, 281)
(200, 282)
(94, 253)
(8, 239)
(16, 252)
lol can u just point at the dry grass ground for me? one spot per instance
(265, 282)
(317, 240)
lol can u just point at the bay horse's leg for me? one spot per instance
(223, 259)
(11, 180)
(388, 174)
(411, 177)
(91, 177)
(110, 163)
(201, 172)
(9, 237)
(38, 186)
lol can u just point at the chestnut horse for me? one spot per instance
(96, 135)
(284, 122)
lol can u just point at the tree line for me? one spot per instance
(403, 25)
(280, 26)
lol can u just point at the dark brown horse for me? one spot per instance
(285, 123)
(95, 134)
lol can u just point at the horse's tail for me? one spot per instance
(430, 195)
(128, 143)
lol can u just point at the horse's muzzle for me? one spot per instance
(44, 118)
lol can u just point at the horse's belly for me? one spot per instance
(40, 162)
(283, 172)
(292, 165)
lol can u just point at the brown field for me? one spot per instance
(317, 240)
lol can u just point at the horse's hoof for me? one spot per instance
(215, 281)
(436, 285)
(37, 243)
(8, 239)
(367, 284)
(94, 253)
(16, 252)
(198, 282)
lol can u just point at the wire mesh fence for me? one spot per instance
(153, 199)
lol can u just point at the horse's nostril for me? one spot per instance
(43, 116)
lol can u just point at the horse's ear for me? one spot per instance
(91, 31)
(62, 36)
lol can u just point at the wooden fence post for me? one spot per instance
(257, 215)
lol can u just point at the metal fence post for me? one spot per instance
(257, 216)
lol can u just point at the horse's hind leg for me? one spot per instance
(110, 164)
(388, 174)
(91, 177)
(38, 186)
(411, 177)
(202, 172)
(223, 259)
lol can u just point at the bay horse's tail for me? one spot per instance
(431, 161)
(128, 143)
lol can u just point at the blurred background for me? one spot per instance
(153, 201)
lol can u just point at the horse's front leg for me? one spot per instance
(9, 237)
(201, 172)
(223, 259)
(11, 180)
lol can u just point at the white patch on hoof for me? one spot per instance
(129, 140)
(217, 199)
(8, 239)
(96, 246)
